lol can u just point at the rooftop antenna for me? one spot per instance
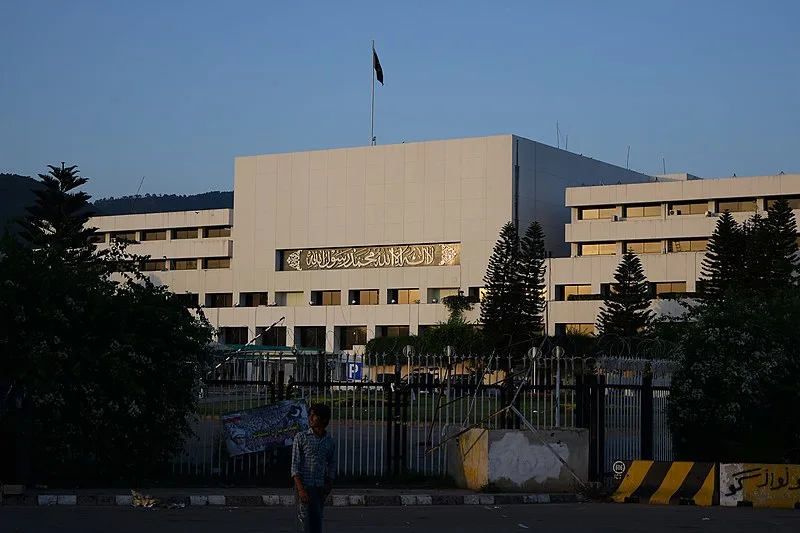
(664, 164)
(558, 136)
(133, 200)
(628, 159)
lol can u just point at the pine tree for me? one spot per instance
(111, 365)
(60, 216)
(532, 271)
(501, 307)
(754, 274)
(724, 261)
(625, 311)
(782, 229)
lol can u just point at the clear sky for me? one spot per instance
(174, 89)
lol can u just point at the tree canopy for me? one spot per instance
(109, 363)
(626, 308)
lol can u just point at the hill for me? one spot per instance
(16, 194)
(154, 203)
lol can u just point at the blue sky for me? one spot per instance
(174, 90)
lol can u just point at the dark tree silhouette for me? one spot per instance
(625, 311)
(532, 272)
(501, 309)
(724, 260)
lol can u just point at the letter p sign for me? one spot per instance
(354, 371)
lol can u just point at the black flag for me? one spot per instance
(377, 64)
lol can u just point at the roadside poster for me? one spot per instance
(264, 428)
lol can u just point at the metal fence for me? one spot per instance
(392, 414)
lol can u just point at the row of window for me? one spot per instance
(160, 265)
(307, 336)
(665, 289)
(209, 232)
(742, 205)
(326, 298)
(644, 247)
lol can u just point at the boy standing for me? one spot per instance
(313, 468)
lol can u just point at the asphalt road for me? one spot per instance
(550, 518)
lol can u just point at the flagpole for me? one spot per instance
(372, 110)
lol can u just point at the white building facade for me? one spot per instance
(336, 247)
(667, 222)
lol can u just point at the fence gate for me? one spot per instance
(391, 416)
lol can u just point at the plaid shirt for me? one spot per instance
(313, 458)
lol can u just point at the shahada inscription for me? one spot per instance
(413, 255)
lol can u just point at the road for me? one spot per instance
(551, 518)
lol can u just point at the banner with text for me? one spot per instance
(263, 428)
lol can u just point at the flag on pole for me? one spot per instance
(377, 65)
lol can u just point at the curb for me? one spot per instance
(280, 500)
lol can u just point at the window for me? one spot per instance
(565, 292)
(154, 266)
(364, 297)
(188, 299)
(98, 238)
(736, 206)
(253, 299)
(639, 211)
(217, 262)
(154, 235)
(291, 299)
(644, 247)
(326, 297)
(596, 213)
(219, 299)
(794, 201)
(350, 336)
(476, 294)
(437, 295)
(274, 337)
(602, 248)
(688, 245)
(184, 264)
(217, 231)
(403, 296)
(575, 329)
(185, 233)
(688, 208)
(394, 331)
(234, 335)
(124, 236)
(668, 289)
(312, 337)
(125, 266)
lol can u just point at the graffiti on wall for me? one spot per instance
(762, 485)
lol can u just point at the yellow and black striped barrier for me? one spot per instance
(666, 483)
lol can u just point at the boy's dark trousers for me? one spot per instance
(309, 516)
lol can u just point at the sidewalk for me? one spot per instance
(268, 497)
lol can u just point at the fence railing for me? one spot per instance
(392, 414)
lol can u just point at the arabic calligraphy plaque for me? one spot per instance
(412, 255)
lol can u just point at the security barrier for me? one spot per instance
(666, 483)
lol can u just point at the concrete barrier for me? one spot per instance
(517, 461)
(760, 485)
(665, 483)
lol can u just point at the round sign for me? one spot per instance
(619, 467)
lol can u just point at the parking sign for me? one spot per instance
(354, 371)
